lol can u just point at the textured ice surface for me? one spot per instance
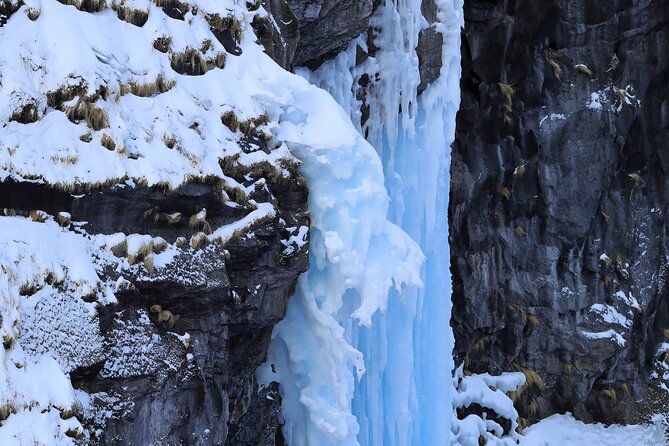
(356, 257)
(405, 396)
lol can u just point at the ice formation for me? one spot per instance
(405, 395)
(364, 354)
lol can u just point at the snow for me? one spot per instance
(628, 299)
(558, 430)
(615, 97)
(45, 271)
(296, 241)
(553, 117)
(610, 315)
(37, 427)
(595, 101)
(489, 392)
(609, 334)
(79, 53)
(262, 212)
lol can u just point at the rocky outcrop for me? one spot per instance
(152, 224)
(327, 27)
(279, 36)
(430, 43)
(182, 343)
(306, 34)
(309, 33)
(558, 206)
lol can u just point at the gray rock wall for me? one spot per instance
(307, 33)
(559, 201)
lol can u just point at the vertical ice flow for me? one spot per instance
(405, 395)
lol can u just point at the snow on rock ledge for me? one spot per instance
(47, 329)
(164, 141)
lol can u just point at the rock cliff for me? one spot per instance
(152, 225)
(558, 214)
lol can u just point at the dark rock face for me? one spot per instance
(278, 37)
(327, 27)
(184, 373)
(311, 32)
(429, 46)
(314, 31)
(558, 213)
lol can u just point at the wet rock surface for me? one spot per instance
(558, 213)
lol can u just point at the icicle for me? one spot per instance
(405, 397)
(356, 255)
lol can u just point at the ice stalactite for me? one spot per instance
(357, 256)
(405, 396)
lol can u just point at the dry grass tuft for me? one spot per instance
(199, 240)
(39, 216)
(86, 110)
(581, 68)
(607, 218)
(64, 221)
(173, 8)
(557, 70)
(148, 264)
(6, 410)
(26, 114)
(610, 394)
(481, 344)
(151, 89)
(567, 369)
(520, 311)
(86, 5)
(162, 44)
(107, 142)
(507, 91)
(188, 62)
(230, 120)
(137, 17)
(120, 249)
(224, 28)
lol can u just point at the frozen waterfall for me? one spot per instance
(364, 354)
